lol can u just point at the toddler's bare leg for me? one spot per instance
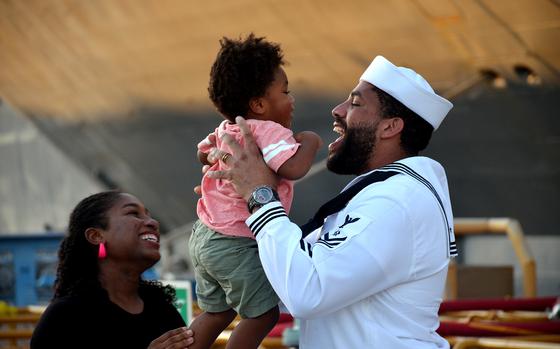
(208, 326)
(249, 333)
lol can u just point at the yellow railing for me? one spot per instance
(514, 232)
(16, 329)
(502, 343)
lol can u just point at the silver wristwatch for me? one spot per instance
(261, 196)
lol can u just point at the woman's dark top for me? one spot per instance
(93, 321)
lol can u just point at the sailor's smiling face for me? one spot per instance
(356, 121)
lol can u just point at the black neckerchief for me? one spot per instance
(341, 200)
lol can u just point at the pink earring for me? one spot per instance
(102, 253)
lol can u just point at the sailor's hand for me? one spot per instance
(246, 168)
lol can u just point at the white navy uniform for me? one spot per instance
(373, 276)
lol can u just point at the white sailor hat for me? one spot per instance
(409, 88)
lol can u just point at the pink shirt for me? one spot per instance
(220, 207)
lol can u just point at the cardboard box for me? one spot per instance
(484, 281)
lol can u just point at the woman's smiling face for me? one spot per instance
(132, 233)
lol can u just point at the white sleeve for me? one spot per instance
(369, 255)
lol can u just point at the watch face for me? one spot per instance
(263, 195)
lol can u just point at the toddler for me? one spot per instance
(246, 79)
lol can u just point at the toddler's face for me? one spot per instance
(280, 103)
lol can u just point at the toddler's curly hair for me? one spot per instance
(243, 70)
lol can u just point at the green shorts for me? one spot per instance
(229, 274)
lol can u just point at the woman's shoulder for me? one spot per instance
(62, 321)
(153, 292)
(66, 302)
(159, 301)
(68, 305)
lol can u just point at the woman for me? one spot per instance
(100, 299)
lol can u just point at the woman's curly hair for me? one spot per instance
(78, 271)
(243, 70)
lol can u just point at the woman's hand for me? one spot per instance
(179, 338)
(198, 188)
(247, 169)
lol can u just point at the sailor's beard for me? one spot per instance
(355, 151)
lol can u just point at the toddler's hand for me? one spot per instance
(309, 136)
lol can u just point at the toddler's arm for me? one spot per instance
(300, 163)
